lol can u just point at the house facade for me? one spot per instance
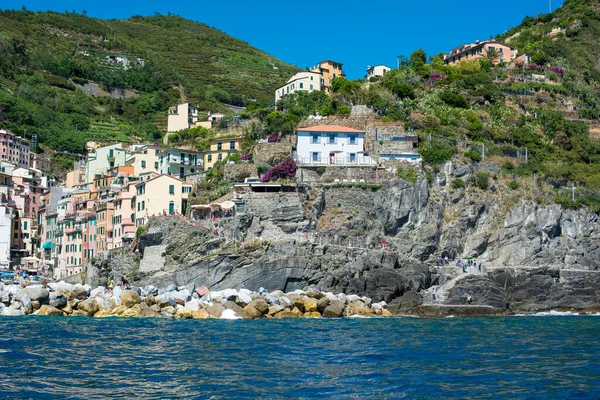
(376, 70)
(220, 148)
(305, 81)
(14, 149)
(179, 162)
(331, 145)
(479, 50)
(6, 226)
(145, 159)
(184, 116)
(102, 159)
(328, 70)
(161, 195)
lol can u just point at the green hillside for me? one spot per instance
(44, 56)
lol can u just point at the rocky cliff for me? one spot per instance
(535, 255)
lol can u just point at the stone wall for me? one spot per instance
(342, 174)
(237, 172)
(272, 153)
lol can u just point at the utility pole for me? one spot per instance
(573, 191)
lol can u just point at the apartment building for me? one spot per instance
(161, 195)
(480, 50)
(14, 149)
(220, 148)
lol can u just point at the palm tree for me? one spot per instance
(492, 55)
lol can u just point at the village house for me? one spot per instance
(220, 148)
(124, 216)
(376, 70)
(145, 158)
(14, 149)
(183, 116)
(305, 81)
(102, 159)
(331, 145)
(161, 195)
(317, 78)
(479, 50)
(179, 162)
(7, 214)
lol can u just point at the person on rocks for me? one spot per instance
(111, 284)
(469, 299)
(479, 268)
(125, 282)
(433, 294)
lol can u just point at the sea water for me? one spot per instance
(513, 357)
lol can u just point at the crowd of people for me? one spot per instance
(469, 263)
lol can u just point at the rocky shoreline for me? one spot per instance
(65, 299)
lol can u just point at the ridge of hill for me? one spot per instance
(46, 57)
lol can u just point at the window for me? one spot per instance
(155, 152)
(139, 209)
(316, 156)
(352, 157)
(156, 165)
(232, 145)
(219, 146)
(220, 157)
(25, 225)
(314, 138)
(143, 164)
(311, 86)
(331, 138)
(209, 158)
(311, 78)
(171, 189)
(301, 85)
(352, 139)
(143, 205)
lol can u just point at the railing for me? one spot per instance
(335, 161)
(397, 138)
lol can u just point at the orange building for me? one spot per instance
(479, 50)
(328, 70)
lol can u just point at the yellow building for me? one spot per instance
(160, 196)
(220, 148)
(328, 70)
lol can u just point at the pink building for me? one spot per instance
(479, 50)
(124, 216)
(14, 149)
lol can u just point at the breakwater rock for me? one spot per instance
(64, 299)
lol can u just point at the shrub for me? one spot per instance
(273, 138)
(482, 180)
(262, 168)
(457, 183)
(473, 155)
(285, 170)
(508, 165)
(321, 170)
(436, 154)
(343, 109)
(453, 99)
(514, 185)
(409, 175)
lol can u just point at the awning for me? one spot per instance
(47, 245)
(228, 205)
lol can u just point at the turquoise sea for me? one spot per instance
(513, 357)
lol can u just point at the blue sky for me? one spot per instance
(355, 33)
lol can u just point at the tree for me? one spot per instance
(492, 55)
(417, 59)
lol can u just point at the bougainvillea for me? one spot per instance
(285, 170)
(559, 71)
(273, 138)
(534, 67)
(244, 156)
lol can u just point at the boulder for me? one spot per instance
(165, 300)
(12, 312)
(313, 314)
(287, 314)
(335, 309)
(102, 314)
(49, 310)
(117, 290)
(322, 304)
(181, 296)
(79, 313)
(134, 311)
(201, 314)
(26, 302)
(35, 304)
(190, 287)
(310, 305)
(274, 310)
(150, 312)
(58, 300)
(244, 296)
(34, 293)
(183, 312)
(215, 310)
(67, 308)
(149, 300)
(357, 308)
(89, 306)
(171, 288)
(118, 310)
(193, 305)
(79, 292)
(239, 311)
(130, 298)
(202, 290)
(61, 288)
(260, 305)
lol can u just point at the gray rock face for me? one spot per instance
(34, 293)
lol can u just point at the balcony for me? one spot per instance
(336, 161)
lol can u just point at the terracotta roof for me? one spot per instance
(329, 128)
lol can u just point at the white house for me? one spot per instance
(376, 70)
(6, 224)
(331, 145)
(303, 81)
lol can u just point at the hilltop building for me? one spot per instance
(478, 50)
(317, 78)
(376, 70)
(14, 149)
(183, 116)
